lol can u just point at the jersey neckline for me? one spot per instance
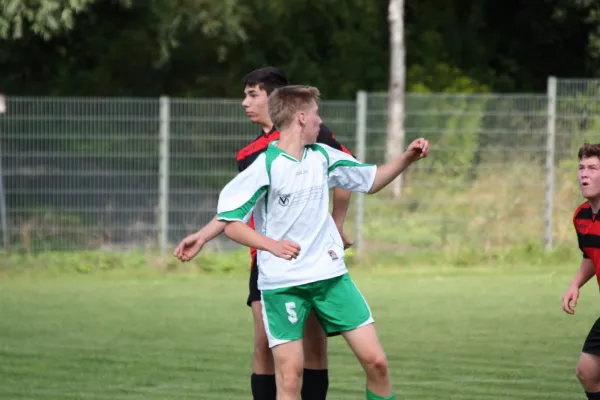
(272, 147)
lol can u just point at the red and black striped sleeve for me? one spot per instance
(581, 220)
(327, 137)
(246, 156)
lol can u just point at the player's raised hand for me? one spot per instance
(569, 300)
(189, 247)
(419, 148)
(285, 249)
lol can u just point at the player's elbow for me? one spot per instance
(230, 228)
(374, 189)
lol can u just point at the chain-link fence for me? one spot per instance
(120, 173)
(483, 185)
(576, 119)
(80, 173)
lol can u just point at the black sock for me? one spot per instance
(315, 383)
(593, 396)
(263, 387)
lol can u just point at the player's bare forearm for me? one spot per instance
(244, 235)
(388, 172)
(418, 149)
(211, 230)
(341, 202)
(585, 272)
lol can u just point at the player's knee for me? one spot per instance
(586, 375)
(588, 371)
(377, 367)
(315, 352)
(290, 380)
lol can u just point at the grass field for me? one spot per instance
(449, 334)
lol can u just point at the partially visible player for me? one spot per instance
(300, 250)
(258, 85)
(587, 227)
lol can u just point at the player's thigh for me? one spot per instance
(284, 314)
(315, 344)
(313, 331)
(339, 305)
(592, 341)
(588, 365)
(365, 344)
(262, 361)
(260, 335)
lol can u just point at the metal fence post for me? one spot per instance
(163, 196)
(550, 150)
(361, 135)
(5, 233)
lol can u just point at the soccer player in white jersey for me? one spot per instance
(300, 251)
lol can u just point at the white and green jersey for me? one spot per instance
(290, 201)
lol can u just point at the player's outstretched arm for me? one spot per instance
(585, 272)
(243, 234)
(192, 244)
(386, 173)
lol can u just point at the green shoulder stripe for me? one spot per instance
(241, 212)
(346, 163)
(316, 147)
(271, 154)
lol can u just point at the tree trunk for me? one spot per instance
(395, 125)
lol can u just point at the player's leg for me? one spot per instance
(315, 382)
(366, 346)
(588, 366)
(262, 380)
(341, 308)
(289, 359)
(285, 312)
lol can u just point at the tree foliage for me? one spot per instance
(204, 47)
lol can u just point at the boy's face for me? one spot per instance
(589, 177)
(312, 123)
(256, 104)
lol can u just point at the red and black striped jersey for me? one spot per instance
(587, 227)
(246, 156)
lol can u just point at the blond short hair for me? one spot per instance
(286, 101)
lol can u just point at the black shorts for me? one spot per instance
(254, 294)
(592, 342)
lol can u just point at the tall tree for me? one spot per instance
(395, 126)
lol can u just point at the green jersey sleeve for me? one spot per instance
(346, 172)
(239, 197)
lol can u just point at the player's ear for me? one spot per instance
(302, 118)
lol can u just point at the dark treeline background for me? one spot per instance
(203, 48)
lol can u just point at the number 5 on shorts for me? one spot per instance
(284, 313)
(291, 310)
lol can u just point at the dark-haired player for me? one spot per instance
(587, 227)
(258, 84)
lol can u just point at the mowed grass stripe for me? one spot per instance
(498, 336)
